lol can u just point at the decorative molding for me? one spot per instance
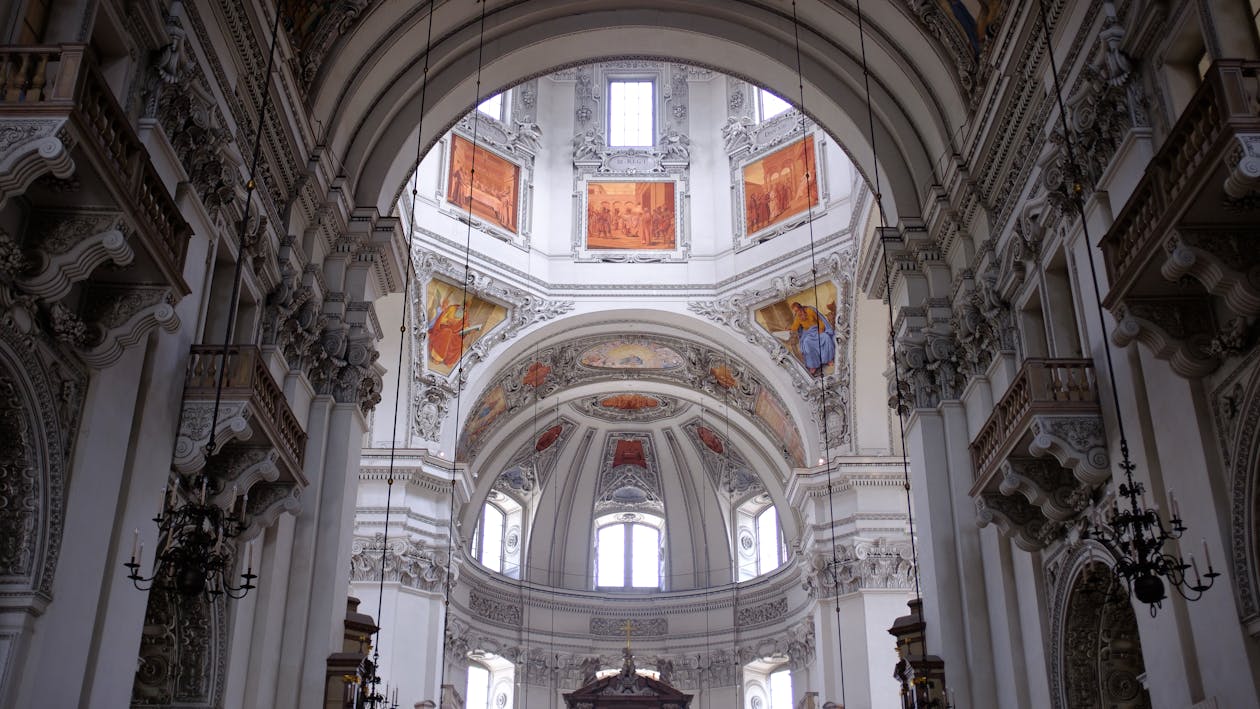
(63, 248)
(493, 610)
(122, 316)
(409, 563)
(863, 564)
(1079, 443)
(639, 627)
(1179, 330)
(650, 407)
(29, 149)
(1025, 524)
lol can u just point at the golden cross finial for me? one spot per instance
(629, 628)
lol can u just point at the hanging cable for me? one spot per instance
(402, 336)
(811, 182)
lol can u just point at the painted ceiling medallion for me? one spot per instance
(630, 402)
(631, 354)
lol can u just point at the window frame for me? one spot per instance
(505, 102)
(479, 537)
(628, 523)
(779, 551)
(618, 78)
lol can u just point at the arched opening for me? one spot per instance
(1102, 653)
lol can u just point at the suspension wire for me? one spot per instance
(1078, 190)
(238, 269)
(734, 533)
(459, 372)
(821, 375)
(402, 336)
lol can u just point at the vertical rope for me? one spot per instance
(821, 374)
(402, 337)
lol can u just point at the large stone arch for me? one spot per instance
(1240, 405)
(370, 100)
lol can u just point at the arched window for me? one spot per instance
(760, 544)
(628, 551)
(769, 548)
(497, 542)
(488, 545)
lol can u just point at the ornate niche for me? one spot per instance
(1094, 644)
(40, 400)
(183, 652)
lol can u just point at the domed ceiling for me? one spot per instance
(652, 328)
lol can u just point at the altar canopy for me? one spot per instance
(627, 690)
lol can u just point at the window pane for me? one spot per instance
(780, 690)
(492, 538)
(645, 557)
(610, 556)
(767, 540)
(630, 106)
(772, 105)
(492, 106)
(478, 688)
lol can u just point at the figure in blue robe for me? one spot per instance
(816, 338)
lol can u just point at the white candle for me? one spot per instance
(140, 554)
(135, 543)
(1207, 555)
(1172, 505)
(1194, 565)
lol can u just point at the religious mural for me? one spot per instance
(629, 402)
(805, 323)
(631, 215)
(772, 414)
(492, 192)
(631, 354)
(548, 438)
(780, 185)
(490, 407)
(453, 325)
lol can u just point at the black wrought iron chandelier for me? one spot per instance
(1132, 531)
(195, 555)
(196, 549)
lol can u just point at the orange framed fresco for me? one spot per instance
(624, 218)
(453, 324)
(631, 216)
(493, 193)
(805, 322)
(779, 186)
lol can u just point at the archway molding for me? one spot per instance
(917, 97)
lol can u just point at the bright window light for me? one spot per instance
(492, 106)
(767, 541)
(771, 105)
(630, 105)
(492, 538)
(610, 558)
(478, 688)
(645, 556)
(780, 690)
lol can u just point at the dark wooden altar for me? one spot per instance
(627, 690)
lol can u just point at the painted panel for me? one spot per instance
(636, 216)
(805, 323)
(453, 325)
(780, 185)
(492, 190)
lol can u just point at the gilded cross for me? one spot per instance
(629, 628)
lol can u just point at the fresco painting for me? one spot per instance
(629, 402)
(630, 354)
(629, 453)
(492, 192)
(493, 405)
(772, 413)
(630, 216)
(805, 323)
(780, 185)
(980, 20)
(453, 325)
(710, 439)
(548, 438)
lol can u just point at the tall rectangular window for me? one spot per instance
(781, 690)
(645, 556)
(631, 104)
(771, 105)
(610, 560)
(492, 107)
(767, 541)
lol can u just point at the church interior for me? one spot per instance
(588, 354)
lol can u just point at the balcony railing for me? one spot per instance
(1193, 153)
(1042, 386)
(248, 379)
(63, 82)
